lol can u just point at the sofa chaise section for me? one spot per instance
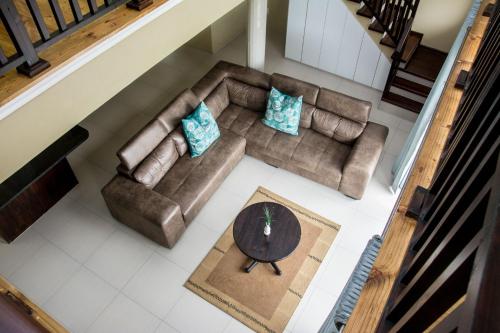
(159, 188)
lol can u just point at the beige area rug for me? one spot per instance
(262, 300)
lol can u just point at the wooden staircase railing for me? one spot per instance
(437, 269)
(448, 279)
(391, 17)
(397, 56)
(20, 46)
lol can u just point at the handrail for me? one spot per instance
(393, 15)
(396, 56)
(25, 56)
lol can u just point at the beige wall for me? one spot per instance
(277, 16)
(33, 127)
(234, 23)
(440, 20)
(223, 31)
(230, 26)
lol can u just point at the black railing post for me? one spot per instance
(20, 38)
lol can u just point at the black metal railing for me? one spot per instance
(21, 49)
(392, 16)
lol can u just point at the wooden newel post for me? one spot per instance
(139, 4)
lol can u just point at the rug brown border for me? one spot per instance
(276, 322)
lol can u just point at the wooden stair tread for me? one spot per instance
(365, 11)
(402, 101)
(426, 63)
(378, 26)
(413, 87)
(412, 43)
(387, 41)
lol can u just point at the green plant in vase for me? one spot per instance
(268, 220)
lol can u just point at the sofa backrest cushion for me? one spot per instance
(340, 116)
(180, 141)
(157, 164)
(306, 115)
(294, 87)
(223, 70)
(142, 144)
(344, 106)
(180, 107)
(150, 136)
(247, 96)
(333, 126)
(218, 99)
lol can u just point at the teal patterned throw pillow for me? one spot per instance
(200, 130)
(283, 112)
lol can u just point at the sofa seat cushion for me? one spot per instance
(238, 119)
(310, 154)
(192, 181)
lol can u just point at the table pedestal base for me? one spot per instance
(254, 263)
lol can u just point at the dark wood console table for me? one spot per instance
(38, 185)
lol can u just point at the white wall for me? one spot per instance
(325, 35)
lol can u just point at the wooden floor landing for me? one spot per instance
(13, 84)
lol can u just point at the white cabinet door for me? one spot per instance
(383, 68)
(297, 12)
(332, 36)
(313, 34)
(349, 48)
(367, 61)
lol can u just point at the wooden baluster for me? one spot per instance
(75, 9)
(58, 15)
(447, 200)
(21, 40)
(93, 6)
(3, 58)
(402, 21)
(38, 18)
(435, 244)
(383, 12)
(441, 294)
(395, 21)
(389, 12)
(378, 11)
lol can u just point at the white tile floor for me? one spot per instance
(95, 275)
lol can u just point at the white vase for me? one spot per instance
(267, 230)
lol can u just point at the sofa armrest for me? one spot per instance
(362, 160)
(150, 213)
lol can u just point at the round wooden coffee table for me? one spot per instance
(248, 233)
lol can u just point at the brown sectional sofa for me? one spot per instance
(160, 189)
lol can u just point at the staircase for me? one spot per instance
(414, 66)
(411, 80)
